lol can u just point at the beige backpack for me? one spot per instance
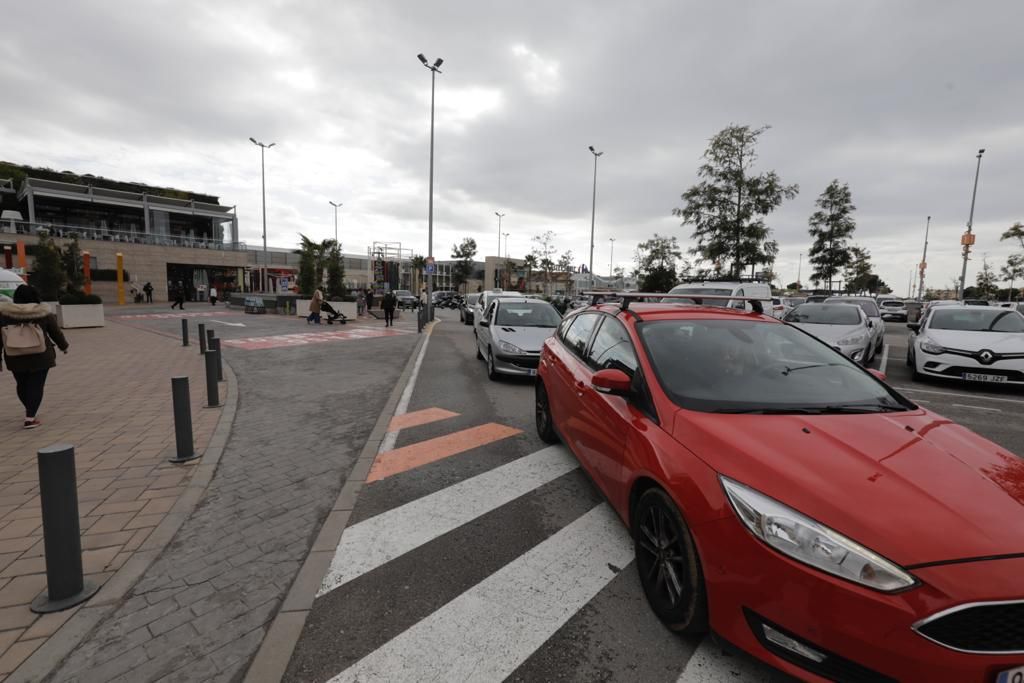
(23, 339)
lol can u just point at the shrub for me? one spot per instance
(91, 299)
(78, 298)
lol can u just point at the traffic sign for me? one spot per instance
(431, 269)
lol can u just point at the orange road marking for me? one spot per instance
(419, 417)
(432, 450)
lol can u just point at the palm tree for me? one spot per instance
(530, 262)
(1015, 232)
(418, 263)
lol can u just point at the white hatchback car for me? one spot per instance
(870, 308)
(972, 343)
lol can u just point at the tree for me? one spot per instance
(417, 263)
(313, 259)
(544, 250)
(728, 206)
(1014, 232)
(74, 273)
(463, 253)
(531, 263)
(565, 262)
(831, 226)
(1013, 270)
(986, 280)
(860, 276)
(656, 263)
(48, 274)
(793, 286)
(335, 272)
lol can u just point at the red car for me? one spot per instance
(789, 500)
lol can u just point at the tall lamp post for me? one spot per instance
(506, 245)
(263, 183)
(611, 259)
(593, 213)
(336, 207)
(435, 69)
(967, 240)
(924, 260)
(799, 268)
(500, 216)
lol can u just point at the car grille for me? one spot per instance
(527, 363)
(958, 371)
(981, 628)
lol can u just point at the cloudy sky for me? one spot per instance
(894, 98)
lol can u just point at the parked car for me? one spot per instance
(738, 289)
(778, 309)
(975, 302)
(870, 308)
(770, 485)
(791, 302)
(893, 309)
(816, 298)
(844, 327)
(510, 334)
(972, 343)
(466, 309)
(1013, 305)
(406, 299)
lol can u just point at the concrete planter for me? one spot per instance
(53, 306)
(346, 308)
(80, 315)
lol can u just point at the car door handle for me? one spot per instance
(580, 388)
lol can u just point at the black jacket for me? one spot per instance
(389, 302)
(38, 313)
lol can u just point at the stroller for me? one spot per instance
(332, 314)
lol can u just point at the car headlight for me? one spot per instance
(509, 348)
(851, 341)
(928, 346)
(807, 541)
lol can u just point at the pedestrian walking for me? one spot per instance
(369, 300)
(388, 303)
(213, 295)
(360, 303)
(179, 296)
(314, 308)
(28, 332)
(148, 289)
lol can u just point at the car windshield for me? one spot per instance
(892, 304)
(823, 314)
(793, 301)
(706, 291)
(869, 307)
(977, 320)
(527, 314)
(742, 366)
(403, 292)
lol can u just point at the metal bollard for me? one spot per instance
(212, 395)
(202, 338)
(184, 331)
(62, 542)
(210, 334)
(220, 360)
(182, 421)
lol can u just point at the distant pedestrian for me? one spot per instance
(369, 299)
(360, 303)
(388, 303)
(179, 296)
(314, 308)
(148, 289)
(213, 295)
(28, 332)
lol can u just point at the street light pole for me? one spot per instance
(968, 238)
(924, 260)
(799, 268)
(611, 259)
(593, 213)
(500, 216)
(336, 206)
(263, 184)
(506, 246)
(435, 69)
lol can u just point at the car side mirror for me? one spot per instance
(612, 381)
(877, 373)
(916, 327)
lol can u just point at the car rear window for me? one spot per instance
(706, 291)
(527, 314)
(823, 314)
(869, 307)
(977, 320)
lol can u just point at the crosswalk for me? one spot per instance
(443, 587)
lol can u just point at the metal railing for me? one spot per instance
(12, 227)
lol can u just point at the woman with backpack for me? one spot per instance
(28, 332)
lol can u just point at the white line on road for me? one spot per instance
(222, 322)
(709, 664)
(964, 405)
(388, 442)
(380, 539)
(885, 358)
(492, 628)
(976, 397)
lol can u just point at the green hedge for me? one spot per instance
(77, 298)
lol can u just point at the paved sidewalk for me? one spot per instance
(110, 397)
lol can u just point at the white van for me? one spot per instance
(758, 290)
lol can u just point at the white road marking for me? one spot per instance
(976, 397)
(709, 664)
(885, 358)
(492, 628)
(388, 442)
(964, 405)
(380, 539)
(223, 322)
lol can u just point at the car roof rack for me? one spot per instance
(739, 278)
(755, 303)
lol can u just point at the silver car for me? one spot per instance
(844, 327)
(510, 333)
(870, 308)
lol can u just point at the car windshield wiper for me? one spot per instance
(862, 408)
(848, 408)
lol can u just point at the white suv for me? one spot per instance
(759, 290)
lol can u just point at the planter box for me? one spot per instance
(346, 308)
(80, 315)
(53, 306)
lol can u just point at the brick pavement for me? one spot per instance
(201, 610)
(110, 398)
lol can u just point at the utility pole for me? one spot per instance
(799, 268)
(336, 206)
(435, 69)
(593, 213)
(263, 184)
(500, 216)
(611, 259)
(967, 240)
(924, 260)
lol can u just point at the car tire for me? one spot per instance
(667, 561)
(492, 372)
(542, 413)
(878, 344)
(914, 374)
(476, 343)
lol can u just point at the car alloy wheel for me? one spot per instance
(542, 412)
(492, 372)
(667, 562)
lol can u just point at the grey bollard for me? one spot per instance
(62, 542)
(212, 395)
(184, 331)
(185, 450)
(220, 360)
(202, 339)
(210, 334)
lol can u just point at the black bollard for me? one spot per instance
(62, 542)
(220, 360)
(202, 339)
(182, 421)
(184, 331)
(209, 339)
(212, 396)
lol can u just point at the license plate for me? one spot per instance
(978, 377)
(1011, 676)
(531, 372)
